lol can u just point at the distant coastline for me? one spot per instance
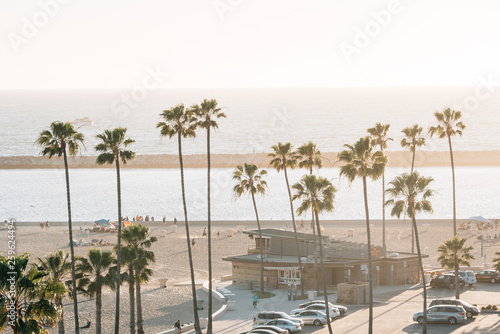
(396, 159)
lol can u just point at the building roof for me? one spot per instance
(272, 232)
(274, 260)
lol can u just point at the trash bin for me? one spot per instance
(311, 295)
(200, 303)
(163, 282)
(231, 305)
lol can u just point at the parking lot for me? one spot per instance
(393, 311)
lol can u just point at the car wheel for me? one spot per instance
(288, 331)
(451, 286)
(493, 280)
(468, 314)
(452, 321)
(317, 322)
(420, 320)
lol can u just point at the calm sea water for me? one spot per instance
(32, 195)
(257, 118)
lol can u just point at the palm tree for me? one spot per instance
(112, 150)
(58, 268)
(179, 121)
(379, 135)
(31, 300)
(62, 139)
(409, 193)
(283, 157)
(317, 193)
(308, 157)
(128, 257)
(360, 161)
(413, 139)
(496, 261)
(138, 239)
(251, 181)
(96, 273)
(207, 113)
(449, 124)
(453, 254)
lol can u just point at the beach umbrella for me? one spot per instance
(126, 223)
(481, 219)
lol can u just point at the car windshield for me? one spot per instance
(465, 303)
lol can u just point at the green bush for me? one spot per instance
(494, 307)
(263, 295)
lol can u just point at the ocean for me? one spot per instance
(256, 119)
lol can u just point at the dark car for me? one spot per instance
(470, 310)
(446, 280)
(490, 275)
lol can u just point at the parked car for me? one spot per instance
(265, 316)
(342, 309)
(446, 280)
(290, 326)
(468, 276)
(442, 313)
(310, 317)
(272, 329)
(470, 310)
(261, 331)
(334, 312)
(490, 275)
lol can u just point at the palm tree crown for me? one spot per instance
(361, 162)
(315, 192)
(58, 138)
(410, 193)
(283, 157)
(112, 146)
(449, 124)
(207, 113)
(413, 137)
(177, 121)
(379, 135)
(249, 180)
(309, 156)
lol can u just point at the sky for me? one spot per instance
(76, 44)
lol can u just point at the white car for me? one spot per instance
(310, 317)
(342, 309)
(334, 312)
(289, 325)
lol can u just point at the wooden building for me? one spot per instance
(343, 261)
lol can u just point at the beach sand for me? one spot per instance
(163, 306)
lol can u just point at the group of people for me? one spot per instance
(142, 219)
(46, 225)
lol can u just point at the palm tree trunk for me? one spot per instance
(132, 299)
(457, 284)
(260, 242)
(188, 238)
(383, 209)
(327, 309)
(140, 328)
(98, 308)
(295, 232)
(60, 324)
(315, 247)
(72, 250)
(424, 330)
(453, 179)
(370, 273)
(209, 226)
(119, 248)
(412, 227)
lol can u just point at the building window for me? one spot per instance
(288, 276)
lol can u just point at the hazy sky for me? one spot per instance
(247, 43)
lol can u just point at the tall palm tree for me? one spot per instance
(449, 125)
(128, 258)
(138, 240)
(179, 121)
(379, 135)
(282, 158)
(96, 273)
(360, 161)
(453, 254)
(496, 261)
(308, 157)
(61, 139)
(207, 113)
(58, 269)
(317, 193)
(32, 298)
(251, 181)
(410, 193)
(413, 139)
(112, 149)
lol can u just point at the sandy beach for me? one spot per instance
(163, 306)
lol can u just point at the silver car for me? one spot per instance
(442, 313)
(313, 317)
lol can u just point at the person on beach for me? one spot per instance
(87, 325)
(47, 225)
(164, 221)
(255, 300)
(178, 326)
(175, 220)
(302, 224)
(204, 232)
(193, 243)
(41, 225)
